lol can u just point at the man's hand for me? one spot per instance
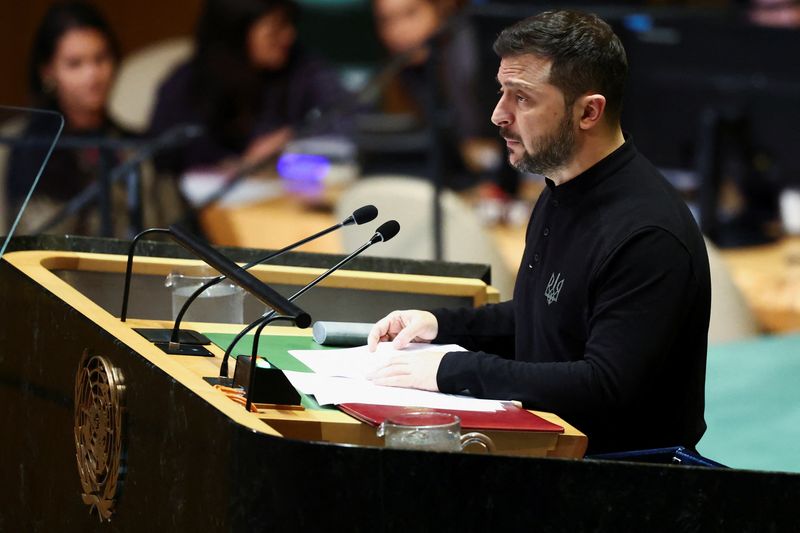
(416, 370)
(402, 328)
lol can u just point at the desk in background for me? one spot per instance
(272, 224)
(769, 277)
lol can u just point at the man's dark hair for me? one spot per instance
(587, 55)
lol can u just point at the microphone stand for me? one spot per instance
(254, 357)
(266, 317)
(384, 232)
(360, 216)
(230, 270)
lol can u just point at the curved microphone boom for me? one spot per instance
(361, 215)
(384, 233)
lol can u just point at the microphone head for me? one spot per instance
(367, 213)
(386, 231)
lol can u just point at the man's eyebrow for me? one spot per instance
(512, 84)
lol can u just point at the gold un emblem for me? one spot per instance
(99, 391)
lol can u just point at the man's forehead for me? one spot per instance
(523, 70)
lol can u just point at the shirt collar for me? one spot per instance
(594, 174)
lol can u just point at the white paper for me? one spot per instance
(337, 390)
(340, 377)
(359, 362)
(198, 186)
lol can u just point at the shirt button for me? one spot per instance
(555, 203)
(530, 266)
(546, 232)
(536, 258)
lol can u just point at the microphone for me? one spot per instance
(240, 277)
(360, 216)
(230, 270)
(384, 233)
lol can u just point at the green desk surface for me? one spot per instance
(753, 404)
(275, 348)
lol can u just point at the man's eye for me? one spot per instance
(521, 99)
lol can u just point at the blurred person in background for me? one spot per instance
(71, 71)
(471, 152)
(775, 13)
(249, 83)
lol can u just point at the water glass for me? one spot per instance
(220, 303)
(429, 430)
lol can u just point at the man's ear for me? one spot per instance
(590, 109)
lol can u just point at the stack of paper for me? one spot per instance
(340, 377)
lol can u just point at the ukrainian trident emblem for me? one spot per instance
(553, 288)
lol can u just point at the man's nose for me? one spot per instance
(500, 116)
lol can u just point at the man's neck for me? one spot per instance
(594, 148)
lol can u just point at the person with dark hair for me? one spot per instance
(71, 71)
(414, 28)
(609, 321)
(249, 83)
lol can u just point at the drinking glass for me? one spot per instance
(429, 430)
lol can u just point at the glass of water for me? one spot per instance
(221, 303)
(429, 430)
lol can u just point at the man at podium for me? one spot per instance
(608, 324)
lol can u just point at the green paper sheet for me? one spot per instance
(275, 349)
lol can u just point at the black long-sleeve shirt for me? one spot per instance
(608, 324)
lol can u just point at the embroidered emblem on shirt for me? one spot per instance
(553, 288)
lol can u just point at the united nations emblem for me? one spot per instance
(99, 395)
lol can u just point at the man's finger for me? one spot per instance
(378, 332)
(404, 337)
(374, 338)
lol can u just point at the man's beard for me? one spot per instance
(550, 153)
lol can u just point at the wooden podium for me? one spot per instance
(99, 423)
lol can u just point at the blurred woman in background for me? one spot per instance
(248, 83)
(71, 71)
(471, 150)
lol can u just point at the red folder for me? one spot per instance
(512, 418)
